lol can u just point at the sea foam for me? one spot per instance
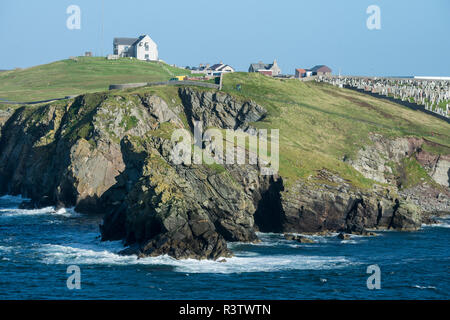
(241, 263)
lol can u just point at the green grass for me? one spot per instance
(411, 173)
(319, 124)
(86, 74)
(435, 148)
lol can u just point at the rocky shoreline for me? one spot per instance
(110, 153)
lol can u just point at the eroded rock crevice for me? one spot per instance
(269, 215)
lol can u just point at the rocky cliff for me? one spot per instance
(110, 153)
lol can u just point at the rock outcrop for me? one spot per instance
(219, 110)
(314, 206)
(110, 153)
(378, 161)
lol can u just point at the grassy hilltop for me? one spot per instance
(320, 125)
(83, 75)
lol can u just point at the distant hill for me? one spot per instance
(83, 75)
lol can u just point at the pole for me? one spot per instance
(101, 35)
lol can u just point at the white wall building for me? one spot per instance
(142, 48)
(219, 68)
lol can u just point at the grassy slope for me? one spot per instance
(69, 77)
(319, 124)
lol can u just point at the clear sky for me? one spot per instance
(414, 38)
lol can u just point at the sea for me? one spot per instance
(40, 249)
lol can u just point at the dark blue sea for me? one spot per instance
(37, 247)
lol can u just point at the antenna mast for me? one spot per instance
(101, 34)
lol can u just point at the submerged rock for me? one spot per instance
(344, 236)
(298, 238)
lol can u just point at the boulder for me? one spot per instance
(344, 236)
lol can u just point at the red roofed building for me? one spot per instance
(300, 73)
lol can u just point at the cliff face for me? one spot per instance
(110, 153)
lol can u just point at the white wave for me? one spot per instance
(242, 263)
(278, 240)
(349, 242)
(440, 224)
(66, 212)
(426, 287)
(5, 249)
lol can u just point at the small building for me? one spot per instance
(300, 73)
(268, 69)
(142, 48)
(214, 70)
(201, 69)
(219, 68)
(321, 70)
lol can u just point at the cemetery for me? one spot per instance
(431, 94)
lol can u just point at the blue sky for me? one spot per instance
(413, 40)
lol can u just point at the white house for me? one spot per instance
(142, 48)
(214, 70)
(219, 68)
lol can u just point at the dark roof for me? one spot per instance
(219, 67)
(125, 41)
(139, 39)
(260, 66)
(216, 66)
(320, 68)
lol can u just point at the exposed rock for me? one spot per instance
(159, 109)
(375, 161)
(6, 112)
(344, 236)
(219, 110)
(111, 153)
(318, 207)
(431, 200)
(298, 238)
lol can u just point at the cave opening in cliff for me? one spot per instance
(269, 215)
